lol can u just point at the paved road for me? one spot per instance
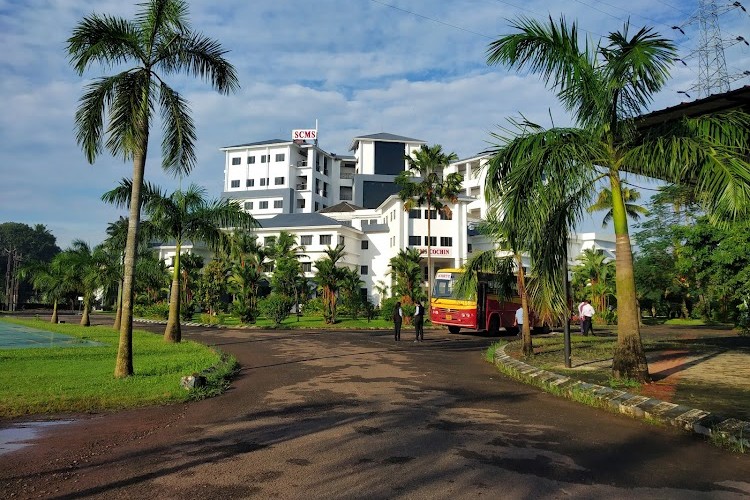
(355, 415)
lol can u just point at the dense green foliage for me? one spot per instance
(23, 244)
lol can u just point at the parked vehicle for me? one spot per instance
(483, 310)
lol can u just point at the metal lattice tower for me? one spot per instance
(712, 66)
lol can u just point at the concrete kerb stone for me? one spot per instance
(693, 420)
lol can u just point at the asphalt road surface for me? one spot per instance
(357, 415)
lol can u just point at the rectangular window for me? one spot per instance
(317, 206)
(301, 203)
(278, 181)
(262, 182)
(325, 239)
(415, 213)
(468, 248)
(415, 241)
(307, 267)
(433, 214)
(341, 240)
(363, 270)
(264, 158)
(278, 203)
(446, 241)
(250, 160)
(432, 241)
(236, 184)
(248, 205)
(250, 183)
(305, 239)
(364, 245)
(444, 216)
(236, 161)
(263, 205)
(280, 157)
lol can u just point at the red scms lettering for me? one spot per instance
(304, 134)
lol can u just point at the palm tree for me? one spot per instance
(157, 43)
(407, 273)
(604, 203)
(328, 278)
(593, 272)
(246, 273)
(52, 278)
(185, 215)
(86, 272)
(431, 189)
(606, 87)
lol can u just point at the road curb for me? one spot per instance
(692, 420)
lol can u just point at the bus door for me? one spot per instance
(482, 306)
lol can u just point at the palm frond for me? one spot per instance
(178, 141)
(107, 40)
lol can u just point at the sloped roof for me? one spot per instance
(298, 220)
(259, 143)
(384, 137)
(344, 206)
(715, 103)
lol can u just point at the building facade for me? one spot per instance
(327, 199)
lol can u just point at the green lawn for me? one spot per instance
(79, 379)
(312, 322)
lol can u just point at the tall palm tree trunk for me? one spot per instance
(124, 362)
(629, 357)
(429, 258)
(118, 313)
(54, 318)
(528, 348)
(85, 320)
(172, 332)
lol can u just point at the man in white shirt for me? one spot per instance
(580, 314)
(519, 319)
(587, 312)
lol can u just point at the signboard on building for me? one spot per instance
(436, 251)
(305, 135)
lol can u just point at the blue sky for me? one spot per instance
(409, 67)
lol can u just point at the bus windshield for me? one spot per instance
(443, 286)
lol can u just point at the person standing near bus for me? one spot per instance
(518, 322)
(398, 316)
(587, 312)
(419, 321)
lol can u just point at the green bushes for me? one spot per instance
(159, 310)
(276, 307)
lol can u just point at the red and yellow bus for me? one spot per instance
(483, 310)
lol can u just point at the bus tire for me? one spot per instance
(454, 329)
(494, 328)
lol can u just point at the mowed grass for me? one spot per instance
(80, 379)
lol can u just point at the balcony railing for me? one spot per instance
(301, 187)
(302, 163)
(346, 175)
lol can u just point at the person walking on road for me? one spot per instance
(419, 322)
(587, 312)
(398, 316)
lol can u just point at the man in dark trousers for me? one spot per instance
(419, 321)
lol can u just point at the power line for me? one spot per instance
(432, 19)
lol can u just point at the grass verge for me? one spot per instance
(80, 379)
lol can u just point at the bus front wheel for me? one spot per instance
(454, 329)
(494, 328)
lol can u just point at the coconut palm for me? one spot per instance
(181, 216)
(606, 86)
(246, 273)
(328, 278)
(407, 274)
(53, 279)
(156, 44)
(429, 189)
(592, 273)
(603, 203)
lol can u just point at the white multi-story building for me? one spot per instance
(327, 199)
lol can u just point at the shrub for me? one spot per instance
(276, 307)
(386, 309)
(313, 307)
(187, 311)
(159, 310)
(609, 316)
